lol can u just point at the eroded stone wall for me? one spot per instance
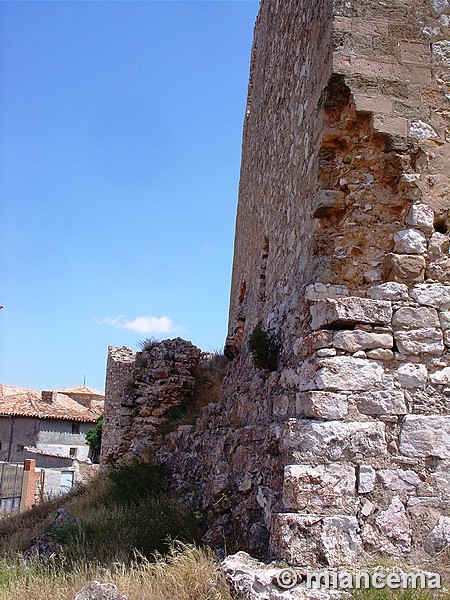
(342, 252)
(141, 391)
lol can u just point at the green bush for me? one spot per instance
(264, 348)
(147, 344)
(94, 438)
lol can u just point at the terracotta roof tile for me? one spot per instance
(81, 389)
(22, 402)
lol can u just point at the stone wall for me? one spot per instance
(342, 253)
(141, 390)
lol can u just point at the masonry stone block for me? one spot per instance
(410, 241)
(334, 440)
(421, 216)
(349, 311)
(348, 373)
(436, 295)
(311, 539)
(352, 341)
(438, 244)
(415, 318)
(340, 540)
(411, 375)
(444, 318)
(420, 341)
(438, 539)
(310, 489)
(399, 480)
(381, 402)
(390, 290)
(404, 268)
(380, 354)
(393, 525)
(322, 405)
(425, 436)
(366, 479)
(441, 377)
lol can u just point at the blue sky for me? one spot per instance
(120, 143)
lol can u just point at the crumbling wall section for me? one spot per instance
(119, 368)
(141, 391)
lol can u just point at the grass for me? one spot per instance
(388, 594)
(122, 530)
(184, 573)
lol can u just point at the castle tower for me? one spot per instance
(342, 255)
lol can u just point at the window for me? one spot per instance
(1, 446)
(72, 452)
(75, 427)
(20, 447)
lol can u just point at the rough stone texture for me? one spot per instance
(323, 488)
(366, 479)
(433, 294)
(346, 147)
(302, 539)
(438, 539)
(441, 377)
(352, 341)
(382, 402)
(415, 318)
(391, 531)
(410, 241)
(348, 373)
(425, 436)
(404, 268)
(399, 480)
(389, 291)
(411, 375)
(99, 591)
(159, 379)
(330, 313)
(322, 405)
(421, 216)
(255, 580)
(334, 440)
(119, 368)
(417, 341)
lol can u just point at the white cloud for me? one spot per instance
(150, 325)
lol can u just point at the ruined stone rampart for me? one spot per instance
(342, 255)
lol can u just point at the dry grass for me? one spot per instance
(185, 573)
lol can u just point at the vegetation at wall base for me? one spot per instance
(185, 572)
(126, 521)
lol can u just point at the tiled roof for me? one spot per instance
(81, 389)
(22, 402)
(35, 451)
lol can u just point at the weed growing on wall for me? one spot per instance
(264, 348)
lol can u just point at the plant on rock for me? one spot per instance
(264, 348)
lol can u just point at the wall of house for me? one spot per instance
(49, 435)
(55, 436)
(22, 432)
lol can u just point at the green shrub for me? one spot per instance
(94, 438)
(137, 480)
(264, 348)
(147, 344)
